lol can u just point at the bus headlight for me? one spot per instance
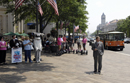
(110, 43)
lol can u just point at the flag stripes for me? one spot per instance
(18, 3)
(76, 28)
(40, 9)
(54, 5)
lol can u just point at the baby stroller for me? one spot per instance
(47, 47)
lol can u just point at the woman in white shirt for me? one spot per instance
(79, 43)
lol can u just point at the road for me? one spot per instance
(126, 50)
(68, 68)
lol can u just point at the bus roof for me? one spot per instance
(113, 32)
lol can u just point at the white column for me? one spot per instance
(0, 23)
(4, 23)
(21, 26)
(9, 23)
(14, 27)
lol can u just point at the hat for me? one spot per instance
(37, 36)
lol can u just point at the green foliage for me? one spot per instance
(124, 26)
(54, 32)
(73, 11)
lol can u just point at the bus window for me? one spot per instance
(110, 37)
(118, 36)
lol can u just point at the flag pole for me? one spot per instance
(73, 29)
(36, 15)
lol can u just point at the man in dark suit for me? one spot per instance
(14, 43)
(98, 51)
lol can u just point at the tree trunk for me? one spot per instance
(57, 30)
(45, 23)
(69, 32)
(41, 27)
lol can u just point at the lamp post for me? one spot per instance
(36, 15)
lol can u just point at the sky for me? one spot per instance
(113, 9)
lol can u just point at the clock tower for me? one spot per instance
(103, 19)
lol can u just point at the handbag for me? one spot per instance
(32, 47)
(8, 46)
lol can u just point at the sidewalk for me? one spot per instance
(68, 68)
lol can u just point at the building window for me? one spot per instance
(31, 25)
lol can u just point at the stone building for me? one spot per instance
(6, 24)
(106, 27)
(111, 26)
(103, 22)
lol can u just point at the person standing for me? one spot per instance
(3, 49)
(84, 41)
(79, 43)
(14, 43)
(71, 41)
(27, 48)
(64, 44)
(59, 41)
(98, 51)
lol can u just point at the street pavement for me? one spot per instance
(68, 68)
(126, 50)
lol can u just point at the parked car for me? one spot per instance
(91, 39)
(88, 39)
(127, 40)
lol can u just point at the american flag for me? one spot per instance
(80, 31)
(76, 28)
(61, 25)
(18, 3)
(39, 8)
(54, 5)
(67, 24)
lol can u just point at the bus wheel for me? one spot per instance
(121, 49)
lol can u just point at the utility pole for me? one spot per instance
(36, 15)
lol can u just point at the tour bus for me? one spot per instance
(112, 40)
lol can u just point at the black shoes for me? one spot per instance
(99, 72)
(94, 72)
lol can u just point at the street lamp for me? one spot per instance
(36, 15)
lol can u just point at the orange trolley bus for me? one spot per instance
(112, 40)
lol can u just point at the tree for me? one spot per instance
(72, 11)
(124, 26)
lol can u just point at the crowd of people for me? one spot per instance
(62, 43)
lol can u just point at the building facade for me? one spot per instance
(106, 27)
(103, 22)
(6, 24)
